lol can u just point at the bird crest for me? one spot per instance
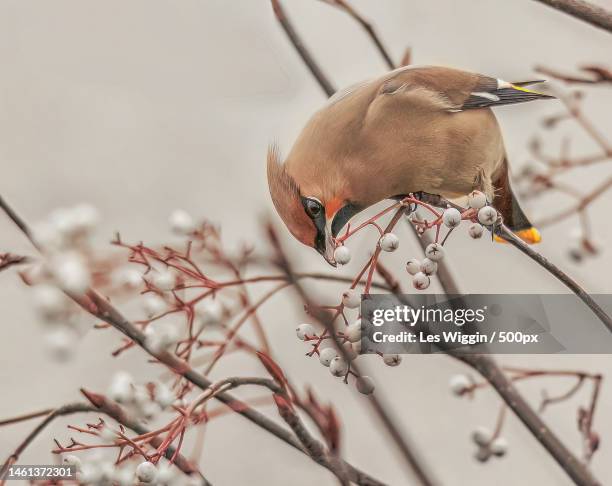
(287, 199)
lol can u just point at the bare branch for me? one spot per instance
(28, 416)
(97, 305)
(406, 449)
(367, 26)
(511, 238)
(502, 231)
(594, 75)
(583, 10)
(302, 50)
(564, 457)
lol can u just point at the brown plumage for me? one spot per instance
(414, 129)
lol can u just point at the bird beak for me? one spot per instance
(326, 245)
(330, 246)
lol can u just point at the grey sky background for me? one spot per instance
(141, 107)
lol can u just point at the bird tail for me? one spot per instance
(506, 203)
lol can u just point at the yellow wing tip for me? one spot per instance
(530, 235)
(527, 90)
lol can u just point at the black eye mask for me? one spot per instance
(343, 216)
(318, 219)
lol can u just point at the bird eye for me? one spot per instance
(313, 207)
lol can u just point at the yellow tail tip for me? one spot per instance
(530, 235)
(527, 90)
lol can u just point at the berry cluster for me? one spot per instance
(478, 213)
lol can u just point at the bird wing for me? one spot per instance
(456, 90)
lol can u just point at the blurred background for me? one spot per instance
(142, 107)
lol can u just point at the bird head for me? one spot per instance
(313, 217)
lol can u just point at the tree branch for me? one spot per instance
(575, 469)
(407, 450)
(367, 26)
(302, 50)
(503, 231)
(582, 294)
(58, 412)
(583, 10)
(98, 306)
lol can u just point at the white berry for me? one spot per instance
(392, 359)
(475, 230)
(351, 298)
(181, 222)
(108, 434)
(338, 366)
(127, 277)
(428, 267)
(389, 242)
(160, 337)
(499, 446)
(91, 474)
(166, 475)
(487, 215)
(305, 330)
(349, 351)
(481, 436)
(420, 281)
(434, 251)
(60, 343)
(451, 217)
(121, 477)
(164, 280)
(342, 255)
(353, 332)
(85, 216)
(477, 200)
(146, 472)
(413, 266)
(71, 272)
(459, 384)
(365, 385)
(72, 460)
(483, 454)
(153, 305)
(122, 388)
(164, 396)
(212, 311)
(49, 301)
(326, 356)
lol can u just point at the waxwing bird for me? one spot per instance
(415, 129)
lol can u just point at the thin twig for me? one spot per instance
(113, 411)
(304, 53)
(367, 26)
(503, 231)
(8, 260)
(23, 418)
(595, 75)
(582, 294)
